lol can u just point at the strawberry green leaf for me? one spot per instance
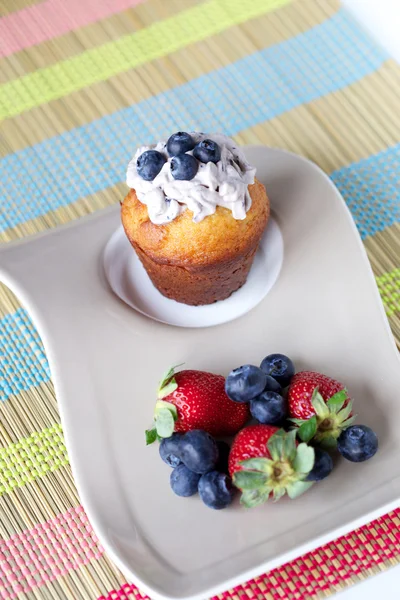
(252, 498)
(304, 460)
(348, 422)
(297, 421)
(168, 383)
(162, 405)
(170, 387)
(249, 480)
(319, 404)
(289, 445)
(275, 444)
(151, 436)
(165, 423)
(278, 493)
(337, 401)
(345, 412)
(169, 373)
(328, 443)
(297, 488)
(257, 464)
(308, 429)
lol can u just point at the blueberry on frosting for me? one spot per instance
(207, 151)
(184, 166)
(214, 172)
(179, 143)
(149, 164)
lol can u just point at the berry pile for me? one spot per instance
(285, 450)
(183, 166)
(200, 464)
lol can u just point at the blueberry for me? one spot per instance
(269, 408)
(179, 143)
(245, 383)
(223, 457)
(323, 465)
(280, 367)
(184, 166)
(216, 490)
(358, 443)
(170, 450)
(149, 164)
(199, 451)
(273, 386)
(183, 481)
(207, 151)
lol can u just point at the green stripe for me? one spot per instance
(128, 52)
(389, 289)
(31, 458)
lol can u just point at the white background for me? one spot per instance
(384, 586)
(382, 19)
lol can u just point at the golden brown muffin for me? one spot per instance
(197, 263)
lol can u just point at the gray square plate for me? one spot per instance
(105, 358)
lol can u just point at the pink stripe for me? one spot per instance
(127, 592)
(49, 19)
(33, 558)
(52, 549)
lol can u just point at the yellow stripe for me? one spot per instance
(90, 36)
(100, 63)
(389, 288)
(383, 251)
(32, 457)
(160, 75)
(7, 7)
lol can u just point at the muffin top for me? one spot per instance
(218, 238)
(194, 171)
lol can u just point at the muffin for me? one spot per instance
(195, 215)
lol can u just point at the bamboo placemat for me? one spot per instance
(82, 84)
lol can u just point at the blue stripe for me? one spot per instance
(22, 358)
(258, 87)
(372, 191)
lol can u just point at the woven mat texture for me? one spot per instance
(82, 83)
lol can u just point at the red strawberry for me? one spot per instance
(251, 442)
(265, 461)
(196, 400)
(320, 406)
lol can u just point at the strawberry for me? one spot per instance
(319, 406)
(195, 400)
(251, 442)
(266, 461)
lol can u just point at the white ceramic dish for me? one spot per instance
(324, 311)
(129, 280)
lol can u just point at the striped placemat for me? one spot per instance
(82, 84)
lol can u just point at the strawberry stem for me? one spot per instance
(285, 472)
(330, 419)
(168, 383)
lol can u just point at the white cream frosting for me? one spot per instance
(222, 184)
